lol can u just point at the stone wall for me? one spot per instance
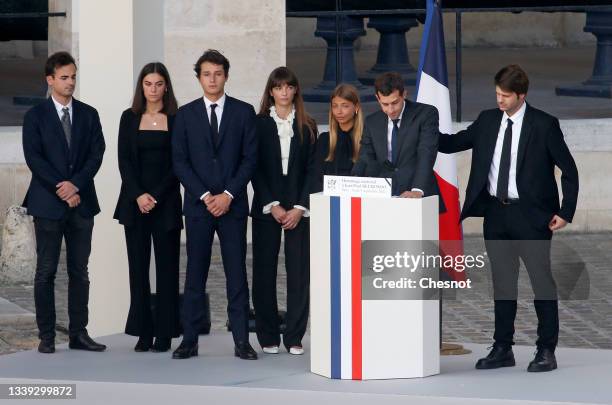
(252, 40)
(478, 29)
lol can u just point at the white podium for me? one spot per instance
(353, 337)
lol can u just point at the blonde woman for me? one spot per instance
(338, 149)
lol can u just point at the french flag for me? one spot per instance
(432, 89)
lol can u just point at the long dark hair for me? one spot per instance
(139, 104)
(279, 76)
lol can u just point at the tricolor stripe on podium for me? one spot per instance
(345, 282)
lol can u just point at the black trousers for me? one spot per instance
(232, 237)
(266, 246)
(165, 321)
(510, 236)
(76, 230)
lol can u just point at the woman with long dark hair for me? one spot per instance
(286, 135)
(149, 208)
(337, 150)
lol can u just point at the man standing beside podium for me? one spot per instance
(515, 149)
(400, 141)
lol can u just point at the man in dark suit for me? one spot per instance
(63, 147)
(400, 141)
(515, 149)
(214, 151)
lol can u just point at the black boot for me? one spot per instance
(544, 360)
(499, 356)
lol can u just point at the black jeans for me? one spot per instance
(76, 231)
(510, 236)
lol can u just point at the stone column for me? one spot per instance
(111, 47)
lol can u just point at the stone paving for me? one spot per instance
(586, 318)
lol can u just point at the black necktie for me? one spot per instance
(394, 134)
(503, 175)
(214, 125)
(66, 125)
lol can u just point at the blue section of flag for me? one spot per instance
(432, 56)
(334, 257)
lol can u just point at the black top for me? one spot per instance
(154, 157)
(145, 165)
(343, 158)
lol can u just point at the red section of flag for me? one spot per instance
(450, 232)
(356, 285)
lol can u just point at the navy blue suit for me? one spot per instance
(52, 161)
(203, 167)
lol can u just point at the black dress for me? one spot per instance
(145, 163)
(343, 158)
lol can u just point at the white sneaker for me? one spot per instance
(271, 349)
(297, 350)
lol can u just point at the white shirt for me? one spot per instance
(285, 133)
(218, 110)
(59, 107)
(517, 125)
(219, 113)
(390, 136)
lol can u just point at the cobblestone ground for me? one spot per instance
(582, 265)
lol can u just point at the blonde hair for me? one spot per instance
(349, 93)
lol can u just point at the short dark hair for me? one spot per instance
(139, 104)
(213, 56)
(512, 78)
(57, 60)
(388, 82)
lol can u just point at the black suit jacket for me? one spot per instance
(268, 178)
(51, 161)
(418, 143)
(167, 192)
(201, 166)
(541, 148)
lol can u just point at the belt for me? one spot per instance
(505, 201)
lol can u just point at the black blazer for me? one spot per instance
(541, 148)
(202, 166)
(167, 192)
(51, 161)
(268, 178)
(418, 143)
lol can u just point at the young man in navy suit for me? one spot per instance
(214, 152)
(63, 147)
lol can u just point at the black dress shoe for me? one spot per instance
(498, 357)
(544, 360)
(161, 345)
(82, 341)
(245, 351)
(185, 350)
(46, 346)
(144, 344)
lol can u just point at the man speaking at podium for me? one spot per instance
(400, 141)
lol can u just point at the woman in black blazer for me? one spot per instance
(337, 150)
(149, 207)
(281, 185)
